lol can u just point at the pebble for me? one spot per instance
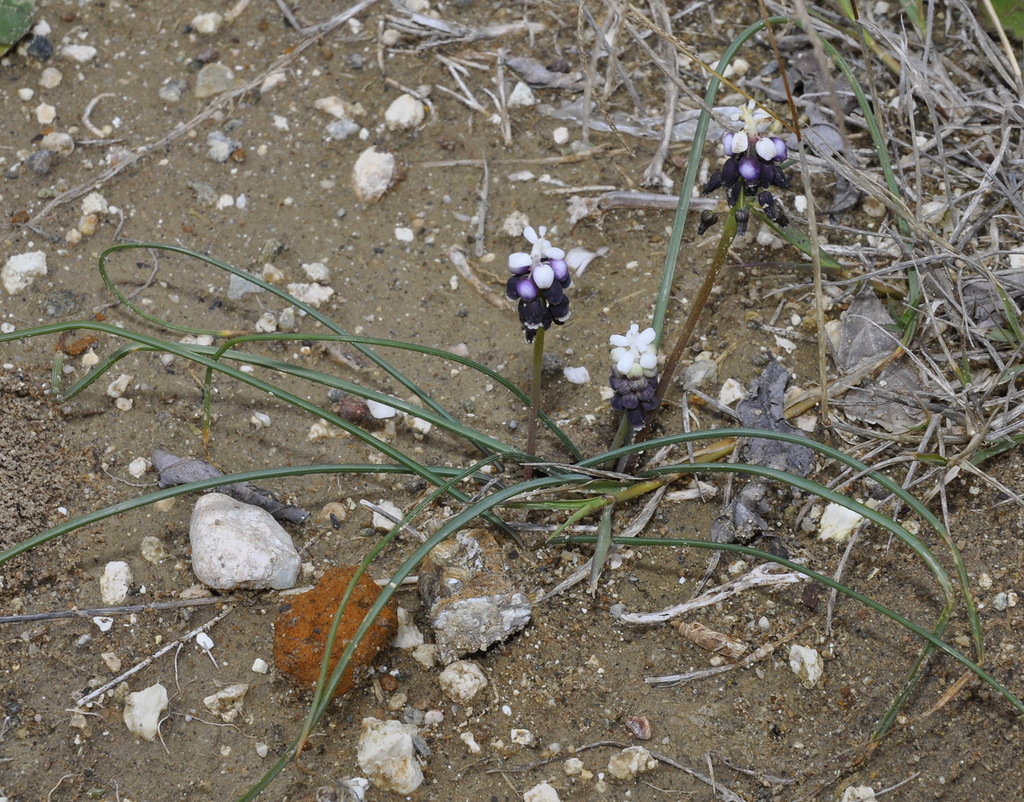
(699, 374)
(220, 147)
(80, 53)
(576, 375)
(521, 96)
(522, 737)
(45, 113)
(42, 161)
(153, 550)
(381, 522)
(143, 709)
(207, 23)
(408, 635)
(22, 269)
(630, 762)
(119, 386)
(731, 392)
(138, 467)
(374, 173)
(63, 144)
(340, 130)
(115, 583)
(111, 661)
(239, 545)
(470, 600)
(317, 271)
(95, 203)
(304, 621)
(338, 108)
(542, 792)
(470, 741)
(50, 78)
(806, 664)
(641, 728)
(387, 756)
(214, 79)
(172, 90)
(26, 93)
(858, 793)
(560, 135)
(838, 523)
(462, 680)
(405, 112)
(227, 702)
(313, 294)
(239, 287)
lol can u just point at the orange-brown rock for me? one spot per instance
(304, 622)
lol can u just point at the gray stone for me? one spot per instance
(471, 602)
(214, 79)
(239, 545)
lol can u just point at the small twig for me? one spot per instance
(755, 656)
(458, 259)
(131, 608)
(758, 576)
(153, 657)
(480, 237)
(391, 517)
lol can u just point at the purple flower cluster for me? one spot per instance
(539, 280)
(752, 167)
(634, 379)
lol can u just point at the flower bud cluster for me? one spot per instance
(634, 378)
(539, 280)
(753, 164)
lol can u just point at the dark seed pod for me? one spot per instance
(707, 219)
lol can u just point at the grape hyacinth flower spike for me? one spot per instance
(539, 280)
(753, 165)
(634, 379)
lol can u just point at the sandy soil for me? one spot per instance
(575, 676)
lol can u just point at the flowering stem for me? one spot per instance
(535, 384)
(728, 235)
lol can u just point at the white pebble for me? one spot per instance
(806, 664)
(404, 234)
(119, 386)
(521, 96)
(79, 53)
(317, 271)
(560, 135)
(313, 294)
(838, 523)
(405, 112)
(138, 466)
(262, 749)
(731, 392)
(523, 737)
(104, 622)
(381, 522)
(542, 792)
(630, 762)
(26, 93)
(408, 635)
(95, 203)
(462, 680)
(61, 143)
(45, 113)
(239, 545)
(373, 174)
(261, 420)
(22, 269)
(386, 755)
(50, 78)
(143, 710)
(577, 375)
(124, 404)
(115, 582)
(207, 23)
(260, 666)
(225, 201)
(470, 741)
(380, 411)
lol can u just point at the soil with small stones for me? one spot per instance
(575, 675)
